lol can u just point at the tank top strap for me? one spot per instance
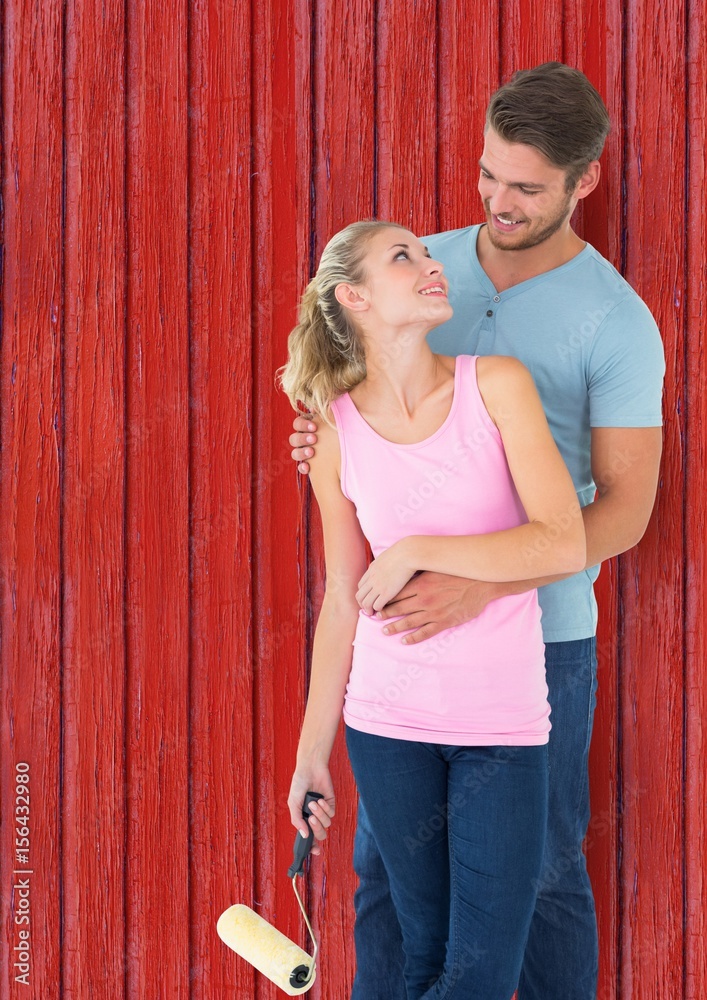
(472, 412)
(345, 414)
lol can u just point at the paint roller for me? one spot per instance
(262, 945)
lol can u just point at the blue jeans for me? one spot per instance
(461, 834)
(561, 956)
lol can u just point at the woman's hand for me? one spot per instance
(386, 576)
(312, 778)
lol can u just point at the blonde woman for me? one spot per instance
(445, 465)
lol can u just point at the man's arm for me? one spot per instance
(625, 465)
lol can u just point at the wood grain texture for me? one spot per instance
(344, 103)
(282, 174)
(170, 175)
(222, 832)
(530, 34)
(469, 68)
(651, 577)
(157, 506)
(590, 31)
(30, 469)
(93, 537)
(406, 113)
(344, 93)
(695, 520)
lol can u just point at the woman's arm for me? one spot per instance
(346, 560)
(551, 542)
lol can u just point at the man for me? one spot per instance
(524, 284)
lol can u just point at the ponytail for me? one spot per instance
(326, 355)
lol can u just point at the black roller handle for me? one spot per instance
(303, 845)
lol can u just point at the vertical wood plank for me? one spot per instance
(221, 733)
(282, 150)
(695, 522)
(30, 470)
(386, 124)
(406, 113)
(344, 179)
(602, 842)
(157, 933)
(343, 118)
(468, 66)
(591, 34)
(591, 31)
(93, 540)
(531, 34)
(651, 655)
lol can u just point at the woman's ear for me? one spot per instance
(350, 297)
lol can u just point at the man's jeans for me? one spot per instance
(561, 956)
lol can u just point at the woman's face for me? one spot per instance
(402, 284)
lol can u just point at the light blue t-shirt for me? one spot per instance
(595, 353)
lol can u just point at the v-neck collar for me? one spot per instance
(522, 286)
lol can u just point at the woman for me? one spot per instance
(447, 466)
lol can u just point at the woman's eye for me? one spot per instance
(402, 253)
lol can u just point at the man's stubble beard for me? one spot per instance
(532, 239)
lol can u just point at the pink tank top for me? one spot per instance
(478, 684)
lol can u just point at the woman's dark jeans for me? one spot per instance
(461, 834)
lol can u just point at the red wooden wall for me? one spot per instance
(169, 174)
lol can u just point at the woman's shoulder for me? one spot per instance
(503, 381)
(327, 429)
(488, 365)
(502, 368)
(326, 460)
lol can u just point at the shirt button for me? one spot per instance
(497, 298)
(489, 312)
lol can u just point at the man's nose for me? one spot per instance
(500, 201)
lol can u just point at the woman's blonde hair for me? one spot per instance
(326, 356)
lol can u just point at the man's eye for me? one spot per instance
(523, 191)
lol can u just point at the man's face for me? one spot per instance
(524, 195)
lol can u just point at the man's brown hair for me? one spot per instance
(555, 109)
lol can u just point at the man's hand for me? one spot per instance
(299, 441)
(433, 602)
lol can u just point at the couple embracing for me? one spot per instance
(496, 374)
